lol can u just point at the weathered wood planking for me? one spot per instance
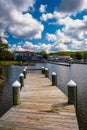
(43, 107)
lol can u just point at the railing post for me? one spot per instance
(54, 79)
(21, 77)
(46, 72)
(16, 93)
(24, 73)
(43, 70)
(72, 93)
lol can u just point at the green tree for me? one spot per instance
(79, 55)
(3, 46)
(43, 54)
(4, 53)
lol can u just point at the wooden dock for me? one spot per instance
(43, 107)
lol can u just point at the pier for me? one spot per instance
(42, 107)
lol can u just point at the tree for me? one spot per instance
(79, 55)
(4, 53)
(3, 45)
(43, 54)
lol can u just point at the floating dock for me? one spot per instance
(43, 107)
(60, 63)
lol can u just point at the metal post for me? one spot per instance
(24, 73)
(16, 93)
(72, 93)
(46, 72)
(54, 79)
(43, 70)
(21, 77)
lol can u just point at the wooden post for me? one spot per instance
(21, 77)
(54, 79)
(72, 93)
(26, 69)
(24, 73)
(16, 93)
(46, 72)
(43, 70)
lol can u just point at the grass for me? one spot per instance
(9, 62)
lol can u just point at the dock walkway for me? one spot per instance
(43, 107)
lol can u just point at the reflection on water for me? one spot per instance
(11, 73)
(78, 73)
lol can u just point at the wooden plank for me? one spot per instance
(43, 107)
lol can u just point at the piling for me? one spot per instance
(46, 73)
(54, 79)
(26, 69)
(24, 73)
(43, 70)
(72, 93)
(21, 77)
(16, 93)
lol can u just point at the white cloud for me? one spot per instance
(29, 46)
(51, 37)
(26, 27)
(36, 47)
(72, 36)
(42, 8)
(15, 47)
(17, 23)
(47, 16)
(61, 47)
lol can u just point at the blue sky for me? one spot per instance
(44, 25)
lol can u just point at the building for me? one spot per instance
(60, 58)
(26, 55)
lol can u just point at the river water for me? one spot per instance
(76, 72)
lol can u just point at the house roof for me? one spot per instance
(25, 52)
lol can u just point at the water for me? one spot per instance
(10, 73)
(76, 72)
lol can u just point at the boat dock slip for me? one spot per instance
(43, 107)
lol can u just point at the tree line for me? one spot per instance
(78, 55)
(4, 53)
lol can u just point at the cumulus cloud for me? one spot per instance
(72, 6)
(15, 47)
(46, 17)
(50, 37)
(20, 24)
(72, 35)
(59, 47)
(73, 32)
(36, 47)
(29, 46)
(26, 27)
(42, 8)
